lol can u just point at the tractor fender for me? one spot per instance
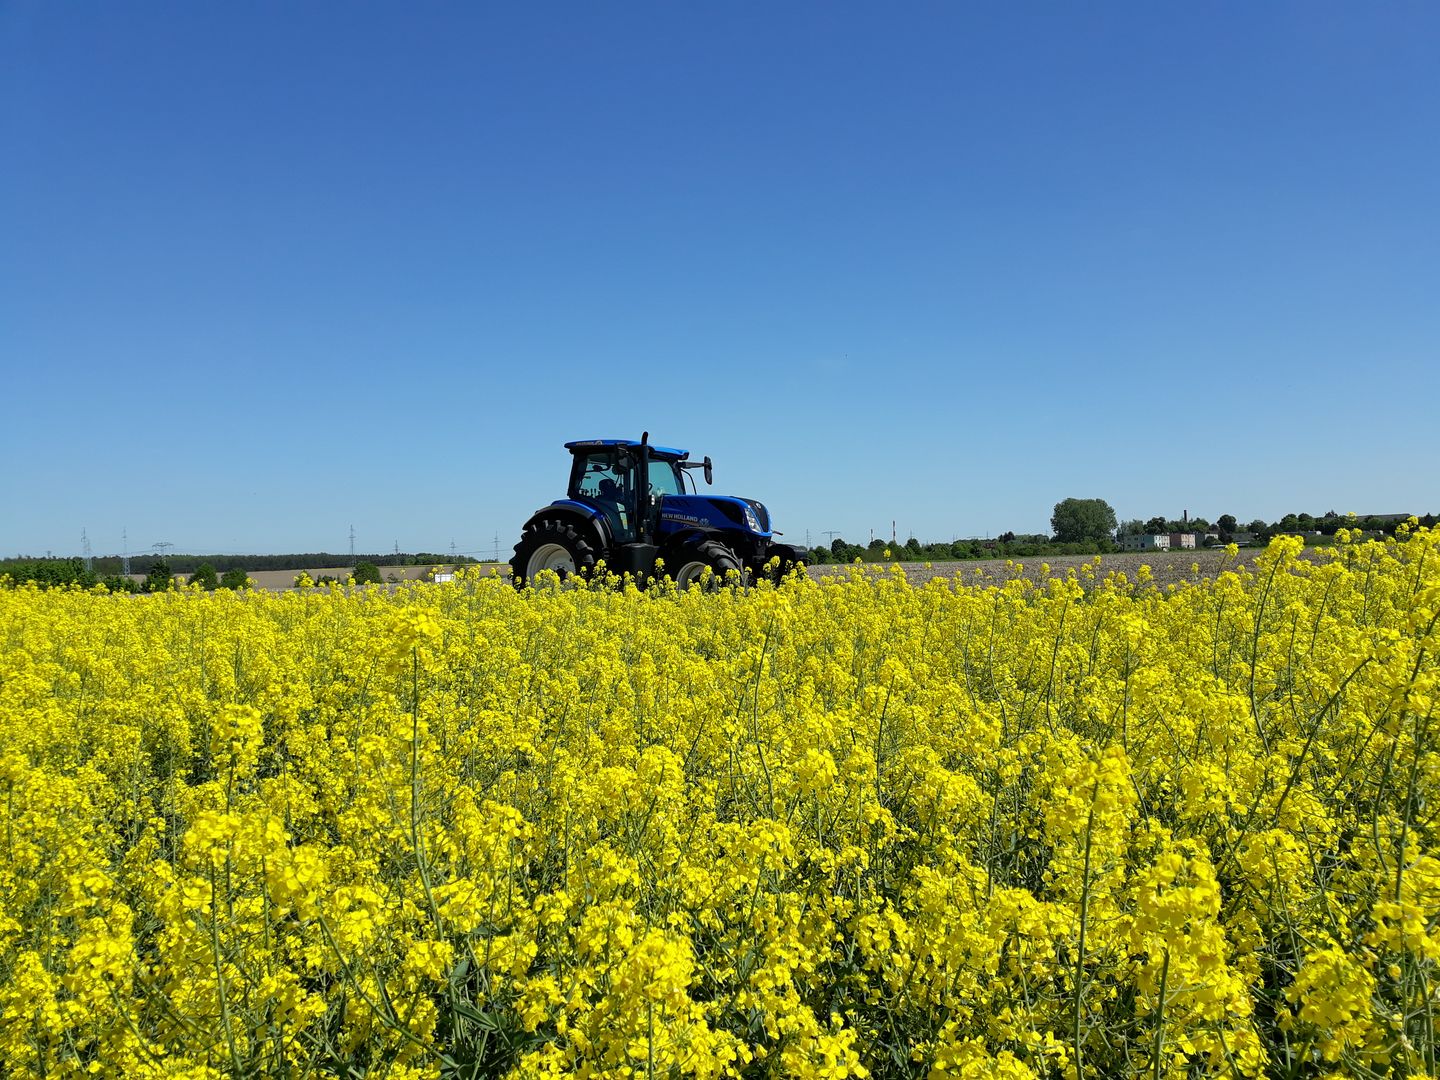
(681, 538)
(742, 544)
(585, 518)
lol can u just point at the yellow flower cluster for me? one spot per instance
(846, 827)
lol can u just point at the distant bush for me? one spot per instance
(48, 573)
(204, 576)
(234, 578)
(159, 578)
(367, 573)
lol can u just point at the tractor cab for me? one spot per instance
(606, 474)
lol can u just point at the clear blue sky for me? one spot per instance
(268, 271)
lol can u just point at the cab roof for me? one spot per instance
(581, 445)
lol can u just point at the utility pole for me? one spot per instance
(85, 546)
(352, 543)
(125, 557)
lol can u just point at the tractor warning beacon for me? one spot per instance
(630, 503)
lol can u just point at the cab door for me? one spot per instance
(603, 481)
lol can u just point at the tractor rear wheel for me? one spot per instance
(551, 544)
(694, 559)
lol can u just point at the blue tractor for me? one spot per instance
(630, 503)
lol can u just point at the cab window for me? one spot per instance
(601, 477)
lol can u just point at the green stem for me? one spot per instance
(421, 862)
(1160, 1021)
(220, 976)
(1084, 914)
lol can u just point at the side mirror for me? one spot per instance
(709, 471)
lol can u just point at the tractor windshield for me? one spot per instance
(665, 479)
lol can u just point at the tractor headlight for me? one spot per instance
(751, 521)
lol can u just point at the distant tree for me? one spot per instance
(820, 555)
(367, 573)
(1226, 524)
(1133, 527)
(1157, 525)
(204, 576)
(117, 583)
(234, 578)
(1258, 527)
(913, 546)
(837, 547)
(159, 578)
(1076, 520)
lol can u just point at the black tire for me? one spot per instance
(789, 557)
(688, 566)
(555, 544)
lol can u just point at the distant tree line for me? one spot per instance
(159, 576)
(1089, 527)
(1226, 526)
(199, 569)
(188, 564)
(1006, 546)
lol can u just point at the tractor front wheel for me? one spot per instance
(549, 544)
(785, 559)
(695, 559)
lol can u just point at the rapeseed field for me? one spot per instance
(1082, 827)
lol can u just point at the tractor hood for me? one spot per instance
(723, 512)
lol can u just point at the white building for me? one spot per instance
(1145, 542)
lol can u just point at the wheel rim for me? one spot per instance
(550, 557)
(689, 573)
